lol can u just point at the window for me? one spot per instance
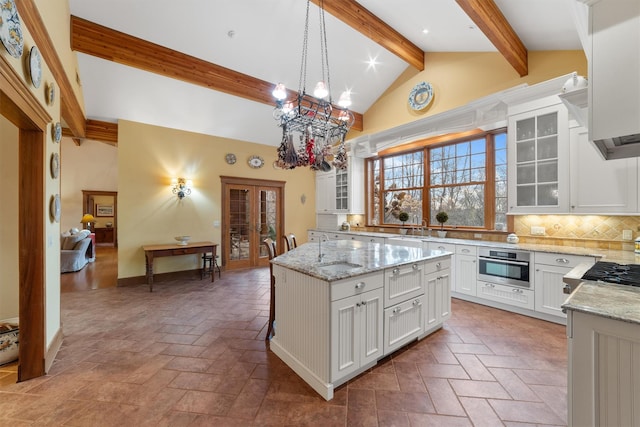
(466, 178)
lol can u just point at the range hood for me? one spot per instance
(614, 77)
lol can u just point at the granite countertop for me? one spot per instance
(343, 259)
(615, 302)
(621, 257)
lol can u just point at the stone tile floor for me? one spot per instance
(192, 353)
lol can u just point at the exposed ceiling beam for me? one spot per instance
(70, 108)
(365, 22)
(106, 43)
(97, 130)
(488, 17)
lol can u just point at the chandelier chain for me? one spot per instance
(324, 53)
(302, 85)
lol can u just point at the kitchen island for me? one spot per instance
(603, 330)
(342, 305)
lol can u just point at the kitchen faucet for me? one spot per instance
(425, 226)
(326, 239)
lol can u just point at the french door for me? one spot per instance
(252, 210)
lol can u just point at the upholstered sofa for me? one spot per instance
(76, 250)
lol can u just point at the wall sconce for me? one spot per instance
(181, 187)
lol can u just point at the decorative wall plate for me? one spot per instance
(230, 158)
(420, 96)
(56, 132)
(55, 165)
(256, 162)
(51, 93)
(35, 66)
(10, 28)
(54, 208)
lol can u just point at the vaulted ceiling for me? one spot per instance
(210, 66)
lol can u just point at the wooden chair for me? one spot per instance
(290, 241)
(271, 250)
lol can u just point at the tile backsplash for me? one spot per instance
(595, 231)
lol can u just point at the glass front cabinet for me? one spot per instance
(538, 150)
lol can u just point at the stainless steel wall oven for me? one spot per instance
(504, 267)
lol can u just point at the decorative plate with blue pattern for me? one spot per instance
(10, 28)
(35, 66)
(420, 96)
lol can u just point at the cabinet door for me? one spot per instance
(538, 160)
(431, 300)
(356, 332)
(403, 323)
(466, 274)
(326, 191)
(549, 286)
(612, 189)
(349, 187)
(443, 295)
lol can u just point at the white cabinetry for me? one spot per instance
(356, 332)
(466, 269)
(437, 293)
(341, 191)
(404, 305)
(598, 185)
(449, 247)
(604, 354)
(326, 191)
(349, 190)
(538, 164)
(368, 239)
(550, 268)
(510, 295)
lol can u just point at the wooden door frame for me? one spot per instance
(233, 180)
(86, 194)
(24, 110)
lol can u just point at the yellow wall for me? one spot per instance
(9, 220)
(459, 78)
(149, 213)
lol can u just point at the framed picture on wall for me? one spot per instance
(104, 210)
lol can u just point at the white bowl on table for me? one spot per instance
(183, 240)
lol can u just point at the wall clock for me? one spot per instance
(230, 158)
(55, 165)
(421, 96)
(256, 162)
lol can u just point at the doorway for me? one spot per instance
(252, 210)
(103, 205)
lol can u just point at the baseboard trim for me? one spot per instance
(52, 351)
(162, 277)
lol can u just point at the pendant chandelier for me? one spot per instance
(313, 129)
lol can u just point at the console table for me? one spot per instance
(152, 251)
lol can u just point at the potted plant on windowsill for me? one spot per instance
(403, 216)
(442, 217)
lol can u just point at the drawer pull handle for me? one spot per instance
(438, 265)
(364, 303)
(360, 285)
(441, 248)
(396, 270)
(562, 260)
(415, 266)
(396, 310)
(518, 291)
(466, 251)
(416, 302)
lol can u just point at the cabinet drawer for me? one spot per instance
(449, 247)
(436, 265)
(403, 323)
(466, 250)
(507, 295)
(562, 260)
(403, 282)
(356, 285)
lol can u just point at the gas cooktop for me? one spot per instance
(610, 272)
